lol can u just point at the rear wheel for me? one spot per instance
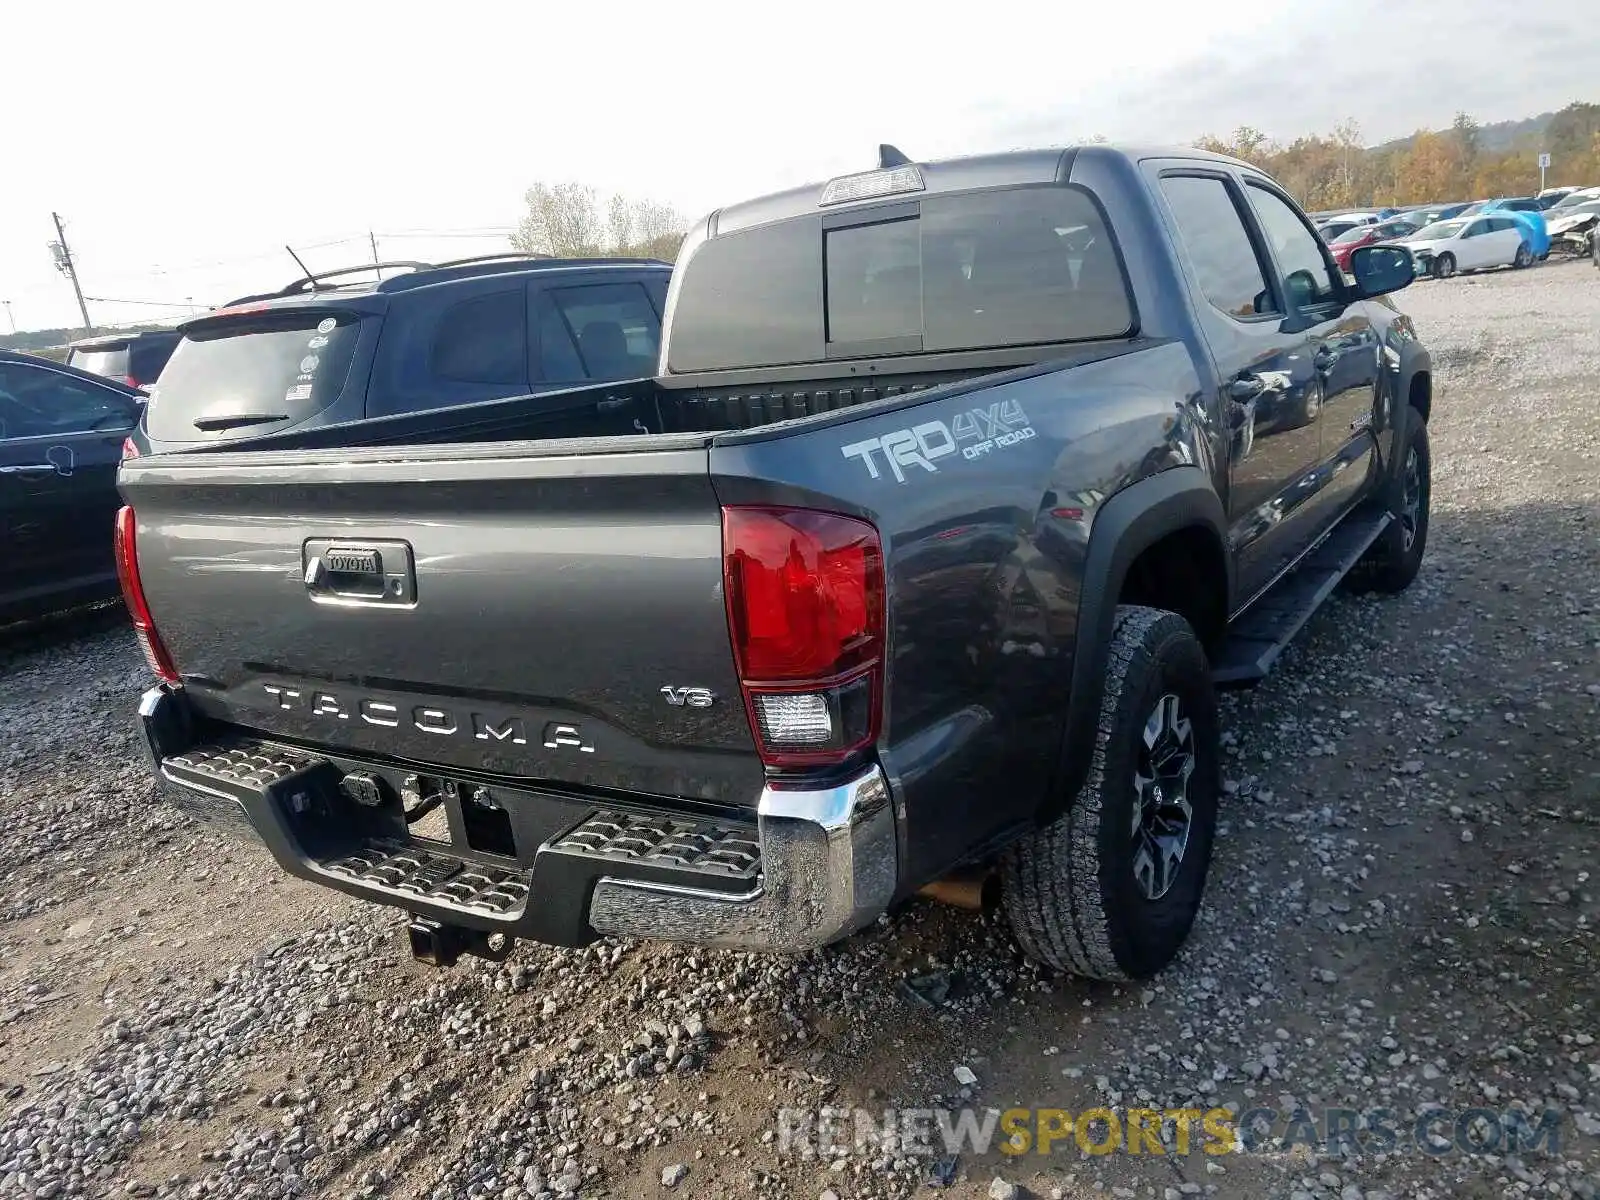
(1110, 889)
(1524, 257)
(1444, 266)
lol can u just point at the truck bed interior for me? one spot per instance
(625, 409)
(716, 409)
(647, 407)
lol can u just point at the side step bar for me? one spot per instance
(1262, 631)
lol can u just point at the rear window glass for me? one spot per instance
(109, 361)
(1024, 266)
(228, 374)
(874, 275)
(148, 357)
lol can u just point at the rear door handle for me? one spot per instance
(29, 469)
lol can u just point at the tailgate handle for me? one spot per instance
(344, 572)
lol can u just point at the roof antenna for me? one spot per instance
(302, 266)
(888, 156)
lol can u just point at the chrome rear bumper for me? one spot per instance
(827, 865)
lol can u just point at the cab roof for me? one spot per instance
(1011, 168)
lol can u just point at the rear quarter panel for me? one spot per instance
(985, 498)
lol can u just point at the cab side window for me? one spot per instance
(1221, 255)
(1309, 276)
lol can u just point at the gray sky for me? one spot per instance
(184, 143)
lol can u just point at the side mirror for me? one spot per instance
(1381, 269)
(1301, 287)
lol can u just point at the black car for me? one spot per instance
(135, 359)
(61, 436)
(326, 350)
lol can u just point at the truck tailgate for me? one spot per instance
(549, 619)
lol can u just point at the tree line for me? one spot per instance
(1335, 170)
(568, 221)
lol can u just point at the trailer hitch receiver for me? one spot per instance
(440, 945)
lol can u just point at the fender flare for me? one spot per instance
(1127, 524)
(1414, 360)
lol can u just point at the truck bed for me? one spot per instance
(605, 416)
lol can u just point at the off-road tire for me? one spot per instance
(1444, 266)
(1392, 561)
(1069, 887)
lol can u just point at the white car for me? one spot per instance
(1489, 239)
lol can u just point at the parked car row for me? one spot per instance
(1513, 231)
(322, 351)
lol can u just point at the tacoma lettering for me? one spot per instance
(426, 718)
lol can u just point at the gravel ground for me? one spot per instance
(1402, 915)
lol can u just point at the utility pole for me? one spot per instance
(64, 265)
(11, 318)
(372, 238)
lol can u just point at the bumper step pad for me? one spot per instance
(242, 762)
(407, 872)
(660, 841)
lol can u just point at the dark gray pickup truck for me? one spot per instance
(961, 488)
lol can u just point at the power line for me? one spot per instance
(485, 232)
(147, 303)
(201, 264)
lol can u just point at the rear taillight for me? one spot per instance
(131, 381)
(805, 594)
(144, 626)
(129, 450)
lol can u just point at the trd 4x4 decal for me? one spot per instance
(975, 433)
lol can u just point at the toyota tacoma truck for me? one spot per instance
(961, 488)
